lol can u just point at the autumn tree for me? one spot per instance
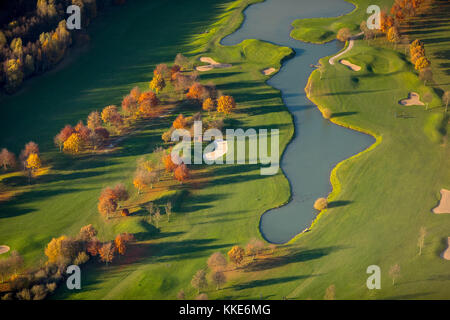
(421, 240)
(321, 204)
(394, 273)
(181, 173)
(217, 261)
(63, 135)
(107, 203)
(121, 242)
(106, 252)
(93, 247)
(169, 165)
(33, 163)
(422, 63)
(149, 96)
(226, 104)
(199, 280)
(343, 34)
(94, 120)
(163, 70)
(180, 122)
(120, 192)
(144, 178)
(73, 144)
(157, 84)
(218, 278)
(62, 250)
(110, 115)
(129, 105)
(236, 255)
(196, 92)
(7, 159)
(393, 35)
(209, 105)
(87, 233)
(98, 137)
(174, 70)
(30, 148)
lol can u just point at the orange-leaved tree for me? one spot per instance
(181, 173)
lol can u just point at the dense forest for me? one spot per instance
(34, 37)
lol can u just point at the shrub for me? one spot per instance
(320, 204)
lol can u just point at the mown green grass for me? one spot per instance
(321, 30)
(387, 193)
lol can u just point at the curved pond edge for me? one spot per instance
(336, 185)
(336, 17)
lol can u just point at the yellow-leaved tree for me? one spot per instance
(157, 83)
(73, 144)
(33, 162)
(226, 104)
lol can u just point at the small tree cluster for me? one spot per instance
(110, 198)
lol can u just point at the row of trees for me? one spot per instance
(218, 264)
(418, 57)
(61, 252)
(29, 159)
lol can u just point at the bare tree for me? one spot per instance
(426, 75)
(446, 99)
(218, 278)
(394, 273)
(427, 98)
(168, 209)
(421, 240)
(199, 280)
(330, 293)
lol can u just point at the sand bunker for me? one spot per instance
(444, 204)
(212, 64)
(413, 100)
(220, 149)
(352, 66)
(268, 71)
(446, 253)
(4, 249)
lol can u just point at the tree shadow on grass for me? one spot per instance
(343, 114)
(268, 282)
(339, 203)
(11, 208)
(293, 256)
(186, 249)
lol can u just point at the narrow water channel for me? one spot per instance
(318, 144)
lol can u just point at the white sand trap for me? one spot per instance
(444, 204)
(212, 64)
(268, 71)
(220, 149)
(413, 100)
(446, 253)
(4, 249)
(352, 66)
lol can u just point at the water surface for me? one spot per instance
(318, 144)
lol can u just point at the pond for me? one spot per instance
(318, 144)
